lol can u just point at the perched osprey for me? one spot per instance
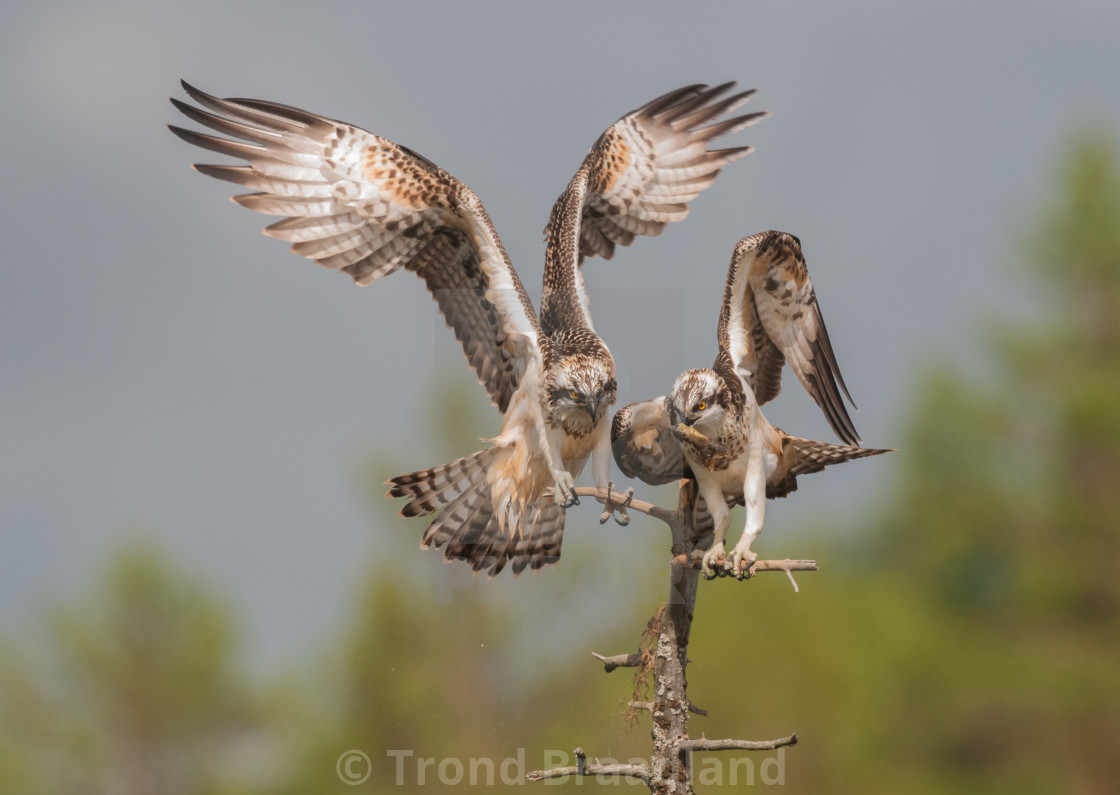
(364, 205)
(711, 428)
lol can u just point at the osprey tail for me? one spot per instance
(431, 489)
(468, 527)
(805, 456)
(799, 457)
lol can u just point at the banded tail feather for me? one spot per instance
(356, 202)
(481, 542)
(467, 527)
(806, 456)
(431, 489)
(799, 457)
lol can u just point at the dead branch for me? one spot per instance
(641, 506)
(664, 650)
(618, 661)
(695, 710)
(704, 744)
(679, 522)
(787, 565)
(583, 768)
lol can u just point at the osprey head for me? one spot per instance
(581, 390)
(698, 400)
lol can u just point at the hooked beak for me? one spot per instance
(592, 407)
(690, 421)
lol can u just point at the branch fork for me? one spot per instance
(665, 647)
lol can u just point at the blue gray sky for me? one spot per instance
(169, 372)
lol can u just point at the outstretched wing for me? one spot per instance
(646, 167)
(770, 316)
(643, 445)
(361, 204)
(638, 177)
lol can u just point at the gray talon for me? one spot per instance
(623, 518)
(610, 506)
(606, 514)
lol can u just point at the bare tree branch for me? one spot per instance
(677, 524)
(648, 508)
(695, 710)
(583, 768)
(618, 661)
(664, 651)
(787, 565)
(704, 744)
(640, 772)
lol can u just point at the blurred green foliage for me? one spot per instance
(966, 639)
(134, 688)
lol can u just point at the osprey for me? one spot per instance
(359, 203)
(710, 427)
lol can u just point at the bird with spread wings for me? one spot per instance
(710, 427)
(359, 203)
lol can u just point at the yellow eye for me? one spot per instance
(575, 395)
(701, 405)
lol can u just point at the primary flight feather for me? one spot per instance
(710, 427)
(358, 203)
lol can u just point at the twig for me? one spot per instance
(695, 710)
(677, 524)
(583, 768)
(618, 661)
(641, 506)
(785, 564)
(704, 744)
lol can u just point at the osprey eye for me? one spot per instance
(701, 405)
(575, 395)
